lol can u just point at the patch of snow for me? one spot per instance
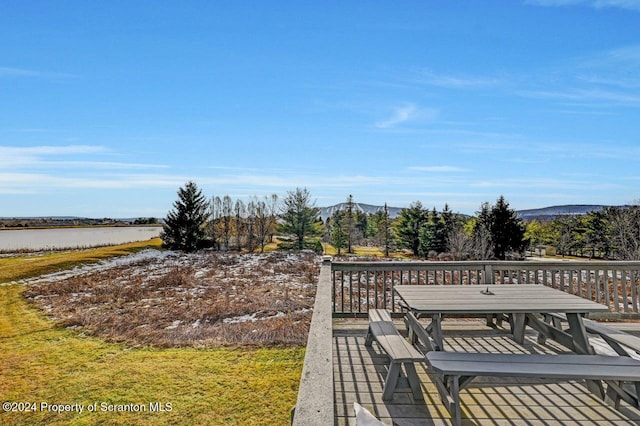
(250, 318)
(173, 325)
(141, 256)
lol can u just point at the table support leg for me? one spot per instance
(582, 346)
(518, 322)
(436, 325)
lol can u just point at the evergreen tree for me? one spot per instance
(184, 226)
(598, 231)
(433, 235)
(408, 227)
(505, 229)
(363, 229)
(382, 229)
(451, 223)
(299, 215)
(338, 236)
(349, 222)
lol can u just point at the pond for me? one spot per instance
(58, 238)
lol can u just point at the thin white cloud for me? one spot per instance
(585, 95)
(443, 169)
(456, 81)
(17, 72)
(407, 113)
(104, 165)
(596, 4)
(22, 72)
(400, 115)
(50, 150)
(544, 184)
(46, 157)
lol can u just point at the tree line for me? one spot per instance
(495, 232)
(221, 223)
(610, 233)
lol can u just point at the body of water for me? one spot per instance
(42, 239)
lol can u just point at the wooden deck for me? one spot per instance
(359, 373)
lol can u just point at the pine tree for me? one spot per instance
(408, 226)
(184, 226)
(433, 235)
(338, 236)
(386, 230)
(299, 215)
(349, 222)
(505, 229)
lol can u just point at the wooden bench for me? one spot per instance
(455, 370)
(398, 349)
(417, 332)
(617, 339)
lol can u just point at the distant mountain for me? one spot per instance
(549, 213)
(326, 212)
(42, 218)
(545, 213)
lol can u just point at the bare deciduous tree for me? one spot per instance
(625, 231)
(461, 245)
(240, 212)
(227, 211)
(265, 212)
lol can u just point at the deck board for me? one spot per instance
(359, 377)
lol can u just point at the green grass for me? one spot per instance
(40, 362)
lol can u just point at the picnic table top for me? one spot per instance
(500, 298)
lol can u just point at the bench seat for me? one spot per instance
(617, 339)
(398, 349)
(455, 370)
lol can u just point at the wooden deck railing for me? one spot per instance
(314, 406)
(358, 286)
(351, 288)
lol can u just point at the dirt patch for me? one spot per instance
(202, 299)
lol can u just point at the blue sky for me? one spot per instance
(107, 108)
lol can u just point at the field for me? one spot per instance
(55, 352)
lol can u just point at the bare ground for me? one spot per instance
(175, 299)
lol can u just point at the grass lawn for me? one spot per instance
(331, 250)
(42, 363)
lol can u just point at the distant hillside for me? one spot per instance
(326, 212)
(543, 214)
(548, 213)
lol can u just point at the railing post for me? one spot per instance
(489, 278)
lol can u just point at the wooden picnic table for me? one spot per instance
(522, 302)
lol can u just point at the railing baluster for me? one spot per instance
(376, 289)
(393, 295)
(625, 305)
(634, 289)
(366, 286)
(333, 290)
(616, 297)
